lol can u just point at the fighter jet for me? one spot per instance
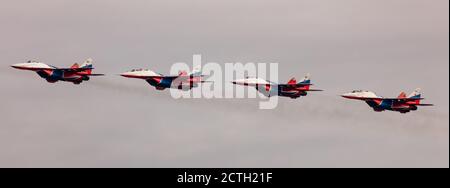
(402, 103)
(75, 74)
(183, 81)
(292, 89)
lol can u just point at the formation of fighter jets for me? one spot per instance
(186, 81)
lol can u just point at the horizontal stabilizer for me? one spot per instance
(303, 84)
(424, 104)
(315, 90)
(401, 99)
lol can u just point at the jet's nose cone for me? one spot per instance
(126, 74)
(345, 96)
(239, 82)
(349, 95)
(17, 66)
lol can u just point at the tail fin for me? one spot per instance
(197, 71)
(402, 95)
(87, 63)
(306, 80)
(182, 73)
(292, 81)
(74, 66)
(415, 95)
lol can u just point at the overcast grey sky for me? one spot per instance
(387, 46)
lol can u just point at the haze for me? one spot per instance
(387, 46)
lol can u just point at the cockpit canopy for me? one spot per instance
(357, 91)
(137, 70)
(31, 61)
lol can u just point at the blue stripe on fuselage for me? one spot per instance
(165, 82)
(385, 104)
(55, 75)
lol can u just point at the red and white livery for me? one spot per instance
(402, 103)
(292, 89)
(75, 74)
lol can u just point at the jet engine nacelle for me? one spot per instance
(160, 88)
(378, 109)
(86, 78)
(51, 80)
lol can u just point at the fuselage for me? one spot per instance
(380, 104)
(160, 82)
(51, 73)
(279, 90)
(269, 89)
